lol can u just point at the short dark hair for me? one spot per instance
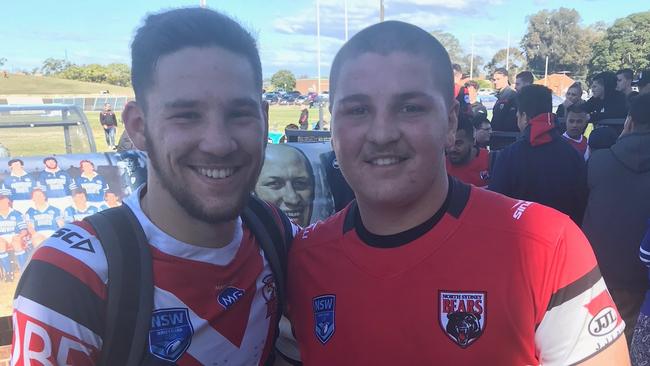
(535, 100)
(79, 190)
(627, 73)
(457, 68)
(526, 76)
(580, 107)
(15, 161)
(173, 30)
(465, 124)
(479, 119)
(473, 84)
(393, 36)
(50, 158)
(502, 71)
(576, 85)
(640, 110)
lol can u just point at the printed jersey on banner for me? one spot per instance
(11, 224)
(495, 282)
(95, 187)
(72, 213)
(46, 219)
(57, 184)
(211, 305)
(20, 187)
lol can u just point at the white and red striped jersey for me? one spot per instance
(212, 306)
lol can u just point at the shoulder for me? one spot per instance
(322, 232)
(75, 249)
(515, 219)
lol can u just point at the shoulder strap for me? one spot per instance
(130, 285)
(274, 232)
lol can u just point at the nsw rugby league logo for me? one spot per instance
(324, 325)
(462, 315)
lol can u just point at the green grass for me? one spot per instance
(43, 86)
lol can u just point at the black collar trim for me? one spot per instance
(454, 204)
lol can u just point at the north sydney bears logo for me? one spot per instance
(170, 334)
(462, 315)
(324, 308)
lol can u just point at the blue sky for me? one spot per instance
(90, 31)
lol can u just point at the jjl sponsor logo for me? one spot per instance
(604, 322)
(229, 296)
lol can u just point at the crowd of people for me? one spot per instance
(419, 269)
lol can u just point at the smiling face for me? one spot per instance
(204, 131)
(389, 133)
(287, 182)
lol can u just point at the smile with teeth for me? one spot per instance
(217, 173)
(385, 161)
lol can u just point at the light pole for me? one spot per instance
(381, 10)
(345, 12)
(318, 41)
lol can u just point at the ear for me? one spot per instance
(134, 123)
(452, 124)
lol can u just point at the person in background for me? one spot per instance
(20, 183)
(108, 120)
(640, 345)
(58, 184)
(13, 231)
(606, 102)
(602, 137)
(540, 166)
(576, 124)
(573, 95)
(644, 82)
(617, 210)
(523, 79)
(624, 82)
(303, 120)
(465, 160)
(458, 76)
(482, 131)
(95, 185)
(473, 101)
(504, 112)
(79, 208)
(287, 181)
(111, 199)
(42, 218)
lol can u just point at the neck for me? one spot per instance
(389, 219)
(41, 206)
(164, 211)
(52, 170)
(88, 175)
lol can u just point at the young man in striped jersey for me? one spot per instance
(196, 75)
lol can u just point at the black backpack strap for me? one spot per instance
(274, 232)
(130, 285)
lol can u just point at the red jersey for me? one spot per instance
(211, 305)
(580, 145)
(495, 281)
(475, 172)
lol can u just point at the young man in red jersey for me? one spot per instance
(422, 269)
(465, 160)
(576, 124)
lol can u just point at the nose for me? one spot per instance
(383, 130)
(216, 137)
(290, 196)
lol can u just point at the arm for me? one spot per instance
(500, 175)
(614, 354)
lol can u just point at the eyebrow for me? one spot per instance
(182, 103)
(399, 97)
